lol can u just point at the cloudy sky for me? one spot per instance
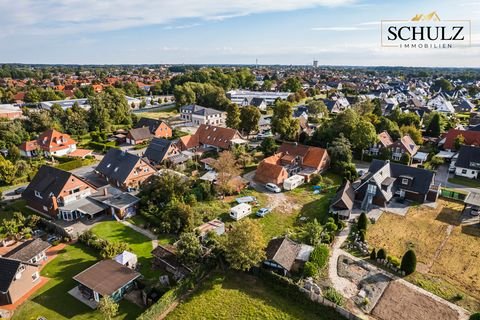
(335, 32)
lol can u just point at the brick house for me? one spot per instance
(157, 128)
(124, 170)
(17, 279)
(51, 143)
(211, 136)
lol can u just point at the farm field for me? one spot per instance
(447, 251)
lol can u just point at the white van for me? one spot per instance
(293, 182)
(240, 211)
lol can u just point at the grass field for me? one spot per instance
(447, 252)
(164, 114)
(52, 301)
(473, 183)
(138, 243)
(241, 296)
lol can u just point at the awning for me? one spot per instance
(420, 156)
(473, 199)
(445, 154)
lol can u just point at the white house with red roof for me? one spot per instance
(52, 143)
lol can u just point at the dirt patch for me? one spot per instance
(400, 302)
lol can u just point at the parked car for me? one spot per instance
(273, 187)
(52, 238)
(20, 190)
(263, 212)
(38, 233)
(474, 212)
(451, 169)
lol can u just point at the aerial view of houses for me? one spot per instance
(232, 178)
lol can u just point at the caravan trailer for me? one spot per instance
(240, 211)
(293, 182)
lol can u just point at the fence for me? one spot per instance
(453, 194)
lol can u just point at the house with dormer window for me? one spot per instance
(468, 162)
(50, 143)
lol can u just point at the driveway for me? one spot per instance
(442, 175)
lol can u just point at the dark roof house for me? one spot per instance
(32, 251)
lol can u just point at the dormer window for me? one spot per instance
(405, 181)
(109, 165)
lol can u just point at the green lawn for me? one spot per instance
(473, 183)
(52, 301)
(139, 244)
(240, 296)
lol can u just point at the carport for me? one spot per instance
(472, 202)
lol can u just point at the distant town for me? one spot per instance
(239, 192)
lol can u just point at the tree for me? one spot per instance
(7, 171)
(108, 307)
(189, 248)
(385, 124)
(459, 141)
(233, 116)
(373, 255)
(340, 150)
(249, 117)
(227, 168)
(442, 84)
(363, 136)
(317, 108)
(382, 254)
(434, 127)
(268, 146)
(362, 222)
(244, 246)
(413, 132)
(475, 316)
(283, 122)
(313, 232)
(409, 262)
(293, 84)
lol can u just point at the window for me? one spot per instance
(405, 181)
(372, 189)
(35, 276)
(464, 171)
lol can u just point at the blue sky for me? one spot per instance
(335, 32)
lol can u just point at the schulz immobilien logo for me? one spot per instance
(426, 31)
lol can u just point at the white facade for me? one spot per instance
(240, 211)
(293, 182)
(467, 173)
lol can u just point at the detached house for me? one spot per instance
(471, 137)
(61, 194)
(384, 141)
(124, 170)
(404, 145)
(157, 128)
(50, 143)
(32, 251)
(198, 115)
(286, 256)
(16, 279)
(138, 136)
(468, 162)
(342, 204)
(292, 159)
(214, 137)
(162, 150)
(386, 180)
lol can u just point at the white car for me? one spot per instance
(273, 187)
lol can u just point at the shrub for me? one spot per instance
(475, 316)
(394, 260)
(310, 269)
(327, 181)
(55, 243)
(373, 255)
(319, 256)
(315, 179)
(362, 235)
(362, 222)
(382, 254)
(409, 262)
(334, 296)
(27, 236)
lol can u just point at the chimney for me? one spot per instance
(54, 203)
(105, 191)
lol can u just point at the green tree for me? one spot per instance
(108, 307)
(373, 255)
(362, 222)
(283, 122)
(268, 146)
(7, 171)
(385, 124)
(475, 316)
(249, 117)
(244, 246)
(313, 232)
(382, 254)
(459, 141)
(340, 150)
(434, 127)
(227, 168)
(363, 136)
(293, 84)
(316, 108)
(409, 262)
(413, 132)
(442, 84)
(233, 116)
(189, 248)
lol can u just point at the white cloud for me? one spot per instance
(37, 17)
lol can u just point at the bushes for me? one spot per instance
(409, 262)
(475, 316)
(315, 179)
(382, 254)
(334, 296)
(310, 269)
(373, 255)
(394, 260)
(362, 222)
(318, 260)
(107, 248)
(73, 164)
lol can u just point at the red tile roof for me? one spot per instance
(385, 139)
(50, 140)
(471, 138)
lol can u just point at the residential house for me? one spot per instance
(405, 145)
(10, 112)
(291, 159)
(17, 278)
(286, 256)
(138, 135)
(440, 104)
(160, 151)
(165, 257)
(471, 137)
(51, 143)
(124, 170)
(337, 105)
(384, 141)
(468, 162)
(214, 137)
(121, 205)
(386, 180)
(465, 106)
(61, 194)
(239, 96)
(106, 278)
(198, 115)
(158, 128)
(342, 203)
(31, 251)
